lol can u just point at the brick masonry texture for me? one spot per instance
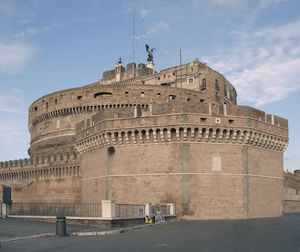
(137, 136)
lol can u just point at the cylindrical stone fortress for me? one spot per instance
(138, 136)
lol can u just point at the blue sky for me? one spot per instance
(47, 46)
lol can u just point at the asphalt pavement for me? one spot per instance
(11, 228)
(271, 234)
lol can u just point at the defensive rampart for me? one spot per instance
(52, 178)
(139, 136)
(205, 163)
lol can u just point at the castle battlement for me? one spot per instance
(177, 128)
(53, 159)
(177, 135)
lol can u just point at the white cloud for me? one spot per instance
(13, 133)
(155, 29)
(286, 31)
(229, 2)
(144, 13)
(26, 32)
(264, 67)
(30, 31)
(268, 81)
(14, 138)
(12, 101)
(263, 4)
(11, 10)
(9, 133)
(14, 57)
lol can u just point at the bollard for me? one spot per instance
(61, 226)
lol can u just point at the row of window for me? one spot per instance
(172, 97)
(169, 75)
(165, 76)
(203, 85)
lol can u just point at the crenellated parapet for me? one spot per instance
(55, 166)
(24, 176)
(53, 117)
(43, 160)
(111, 96)
(176, 128)
(176, 135)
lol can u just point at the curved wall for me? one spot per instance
(210, 170)
(52, 118)
(171, 137)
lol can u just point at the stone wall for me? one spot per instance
(291, 203)
(173, 136)
(53, 117)
(291, 206)
(46, 179)
(184, 173)
(209, 165)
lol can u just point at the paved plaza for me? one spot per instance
(273, 234)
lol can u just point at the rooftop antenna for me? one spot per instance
(133, 37)
(180, 76)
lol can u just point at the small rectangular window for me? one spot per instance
(216, 162)
(138, 111)
(217, 85)
(190, 80)
(79, 97)
(203, 86)
(57, 124)
(142, 95)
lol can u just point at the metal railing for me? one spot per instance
(58, 209)
(130, 210)
(87, 209)
(165, 209)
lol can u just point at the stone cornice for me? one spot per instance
(102, 135)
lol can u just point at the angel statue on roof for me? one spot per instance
(150, 53)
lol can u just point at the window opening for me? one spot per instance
(190, 80)
(203, 86)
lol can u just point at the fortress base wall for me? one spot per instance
(206, 181)
(50, 190)
(291, 206)
(265, 193)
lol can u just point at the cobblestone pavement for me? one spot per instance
(272, 234)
